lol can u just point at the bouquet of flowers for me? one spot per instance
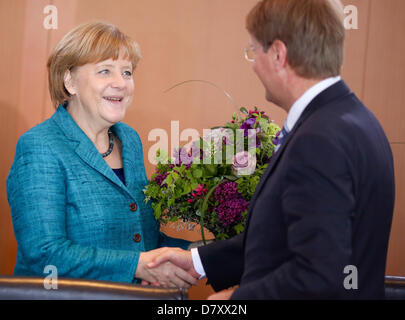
(211, 182)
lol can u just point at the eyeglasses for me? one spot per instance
(250, 52)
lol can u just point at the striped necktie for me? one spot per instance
(281, 137)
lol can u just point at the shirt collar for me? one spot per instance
(299, 106)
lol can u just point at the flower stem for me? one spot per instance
(204, 207)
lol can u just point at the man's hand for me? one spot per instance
(222, 295)
(165, 273)
(181, 258)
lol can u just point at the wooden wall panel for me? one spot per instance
(33, 70)
(396, 252)
(12, 19)
(66, 22)
(385, 66)
(384, 77)
(356, 48)
(182, 40)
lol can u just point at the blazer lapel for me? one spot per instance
(89, 154)
(128, 158)
(338, 90)
(85, 149)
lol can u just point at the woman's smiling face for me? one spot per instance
(101, 92)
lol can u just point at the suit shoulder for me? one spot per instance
(33, 148)
(346, 124)
(346, 115)
(38, 135)
(43, 141)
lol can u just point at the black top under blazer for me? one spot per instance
(324, 203)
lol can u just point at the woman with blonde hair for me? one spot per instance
(75, 187)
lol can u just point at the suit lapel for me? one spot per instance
(85, 149)
(338, 90)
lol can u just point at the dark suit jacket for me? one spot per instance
(325, 202)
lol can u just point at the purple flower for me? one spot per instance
(230, 211)
(254, 134)
(251, 121)
(248, 124)
(181, 155)
(276, 139)
(160, 178)
(226, 191)
(231, 204)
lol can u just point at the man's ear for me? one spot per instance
(279, 53)
(68, 82)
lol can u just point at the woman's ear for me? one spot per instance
(68, 82)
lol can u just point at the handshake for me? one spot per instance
(172, 267)
(167, 267)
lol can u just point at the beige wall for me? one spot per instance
(182, 40)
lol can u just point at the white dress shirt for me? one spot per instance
(293, 115)
(299, 106)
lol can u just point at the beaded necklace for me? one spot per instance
(111, 146)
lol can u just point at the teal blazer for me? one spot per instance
(71, 211)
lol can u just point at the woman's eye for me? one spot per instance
(104, 71)
(127, 73)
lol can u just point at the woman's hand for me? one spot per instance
(166, 274)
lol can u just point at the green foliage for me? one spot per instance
(185, 191)
(247, 184)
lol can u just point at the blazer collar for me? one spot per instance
(86, 150)
(338, 90)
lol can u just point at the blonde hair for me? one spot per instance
(87, 43)
(312, 30)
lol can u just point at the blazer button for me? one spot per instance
(133, 207)
(137, 237)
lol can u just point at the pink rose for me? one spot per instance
(244, 164)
